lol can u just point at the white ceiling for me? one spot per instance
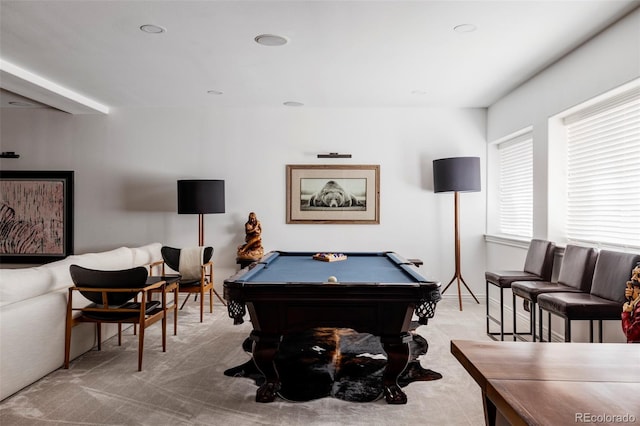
(340, 53)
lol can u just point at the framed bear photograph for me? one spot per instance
(325, 194)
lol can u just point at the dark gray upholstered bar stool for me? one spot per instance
(576, 273)
(538, 266)
(603, 302)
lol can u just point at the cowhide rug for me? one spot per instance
(335, 362)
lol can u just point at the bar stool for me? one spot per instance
(538, 266)
(576, 273)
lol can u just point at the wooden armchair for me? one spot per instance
(199, 285)
(114, 295)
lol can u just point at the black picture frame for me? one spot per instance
(36, 215)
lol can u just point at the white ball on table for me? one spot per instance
(332, 279)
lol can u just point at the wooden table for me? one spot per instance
(526, 383)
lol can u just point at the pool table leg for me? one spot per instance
(397, 349)
(265, 348)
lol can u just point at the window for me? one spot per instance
(603, 165)
(515, 198)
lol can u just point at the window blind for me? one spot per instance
(603, 167)
(515, 158)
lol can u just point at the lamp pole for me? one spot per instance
(201, 229)
(457, 275)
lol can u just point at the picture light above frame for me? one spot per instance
(334, 155)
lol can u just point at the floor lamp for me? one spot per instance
(200, 196)
(458, 174)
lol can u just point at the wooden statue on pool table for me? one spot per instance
(631, 308)
(252, 248)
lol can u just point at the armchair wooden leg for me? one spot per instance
(211, 300)
(164, 331)
(201, 305)
(67, 330)
(140, 346)
(175, 312)
(67, 343)
(99, 334)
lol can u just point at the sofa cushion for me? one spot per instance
(146, 254)
(21, 284)
(24, 283)
(120, 258)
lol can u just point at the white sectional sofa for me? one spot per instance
(32, 314)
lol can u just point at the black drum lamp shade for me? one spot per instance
(457, 174)
(200, 196)
(461, 174)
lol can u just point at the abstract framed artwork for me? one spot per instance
(325, 194)
(36, 216)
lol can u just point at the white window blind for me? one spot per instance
(515, 158)
(603, 184)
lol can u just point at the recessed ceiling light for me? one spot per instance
(293, 104)
(152, 29)
(418, 92)
(465, 28)
(215, 92)
(270, 40)
(20, 104)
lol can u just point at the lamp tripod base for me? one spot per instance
(458, 277)
(201, 244)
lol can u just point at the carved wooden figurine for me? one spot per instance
(631, 308)
(252, 249)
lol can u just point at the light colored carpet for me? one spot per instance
(186, 385)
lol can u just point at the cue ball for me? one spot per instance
(332, 279)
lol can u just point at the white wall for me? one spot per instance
(607, 61)
(604, 63)
(127, 163)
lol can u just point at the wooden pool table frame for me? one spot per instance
(276, 309)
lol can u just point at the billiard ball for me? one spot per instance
(332, 279)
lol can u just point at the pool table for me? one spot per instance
(288, 292)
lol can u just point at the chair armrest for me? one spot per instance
(156, 264)
(106, 291)
(120, 289)
(205, 272)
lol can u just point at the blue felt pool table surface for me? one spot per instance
(358, 268)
